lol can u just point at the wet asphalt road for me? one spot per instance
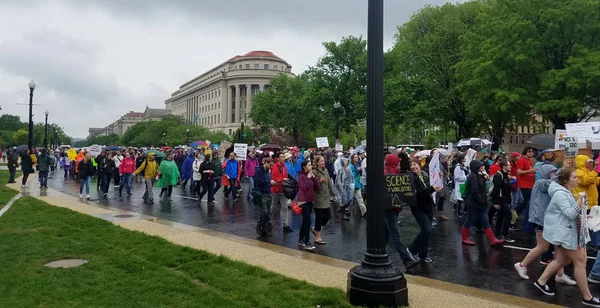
(480, 266)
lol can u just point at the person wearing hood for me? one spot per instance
(126, 170)
(13, 163)
(540, 199)
(460, 177)
(344, 182)
(101, 163)
(422, 210)
(356, 172)
(249, 170)
(392, 166)
(291, 166)
(476, 201)
(187, 170)
(149, 169)
(404, 160)
(560, 229)
(588, 179)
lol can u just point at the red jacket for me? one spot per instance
(278, 173)
(127, 166)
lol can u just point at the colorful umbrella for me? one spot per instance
(159, 154)
(199, 144)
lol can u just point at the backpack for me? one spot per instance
(290, 188)
(491, 187)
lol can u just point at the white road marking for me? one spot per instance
(9, 204)
(528, 249)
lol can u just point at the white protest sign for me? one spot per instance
(240, 150)
(450, 147)
(435, 168)
(559, 142)
(95, 150)
(339, 147)
(585, 130)
(572, 146)
(322, 142)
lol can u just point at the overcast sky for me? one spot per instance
(95, 60)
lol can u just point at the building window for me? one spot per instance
(247, 66)
(266, 66)
(240, 66)
(275, 67)
(511, 139)
(256, 66)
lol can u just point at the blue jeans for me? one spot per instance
(85, 181)
(125, 181)
(420, 244)
(393, 231)
(250, 185)
(13, 172)
(474, 215)
(595, 273)
(517, 198)
(43, 178)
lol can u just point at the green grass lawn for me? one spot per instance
(6, 193)
(129, 269)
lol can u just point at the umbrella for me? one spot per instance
(112, 148)
(546, 140)
(21, 149)
(423, 153)
(270, 147)
(472, 142)
(444, 152)
(159, 154)
(199, 144)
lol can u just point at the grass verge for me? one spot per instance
(6, 193)
(129, 269)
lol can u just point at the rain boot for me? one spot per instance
(465, 236)
(493, 240)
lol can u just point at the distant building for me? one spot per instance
(221, 98)
(151, 114)
(118, 127)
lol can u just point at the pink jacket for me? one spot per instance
(127, 166)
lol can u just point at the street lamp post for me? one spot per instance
(242, 132)
(337, 107)
(46, 130)
(375, 282)
(187, 136)
(30, 135)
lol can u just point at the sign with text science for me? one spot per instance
(399, 191)
(571, 146)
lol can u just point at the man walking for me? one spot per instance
(216, 176)
(13, 164)
(231, 173)
(278, 174)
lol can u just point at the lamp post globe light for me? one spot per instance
(375, 282)
(46, 130)
(30, 135)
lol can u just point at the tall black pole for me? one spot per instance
(242, 132)
(337, 125)
(375, 282)
(46, 132)
(30, 136)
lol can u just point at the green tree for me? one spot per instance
(539, 56)
(10, 122)
(285, 105)
(422, 65)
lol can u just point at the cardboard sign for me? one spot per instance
(240, 150)
(225, 145)
(71, 153)
(322, 142)
(399, 191)
(559, 143)
(339, 147)
(435, 169)
(572, 146)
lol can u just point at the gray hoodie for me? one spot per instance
(539, 195)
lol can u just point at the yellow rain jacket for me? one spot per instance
(588, 180)
(150, 169)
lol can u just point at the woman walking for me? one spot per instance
(344, 183)
(26, 167)
(561, 229)
(501, 199)
(540, 199)
(206, 177)
(356, 172)
(86, 170)
(422, 211)
(460, 177)
(476, 202)
(197, 176)
(168, 176)
(307, 185)
(126, 169)
(107, 174)
(322, 201)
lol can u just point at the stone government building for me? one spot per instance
(221, 98)
(126, 121)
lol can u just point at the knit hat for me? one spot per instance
(515, 154)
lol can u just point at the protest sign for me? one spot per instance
(322, 142)
(399, 191)
(240, 150)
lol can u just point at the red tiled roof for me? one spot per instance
(257, 53)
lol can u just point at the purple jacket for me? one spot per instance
(306, 187)
(250, 166)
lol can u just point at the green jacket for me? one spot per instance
(44, 162)
(26, 164)
(217, 168)
(322, 194)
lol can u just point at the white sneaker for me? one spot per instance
(80, 196)
(565, 279)
(522, 271)
(88, 197)
(593, 280)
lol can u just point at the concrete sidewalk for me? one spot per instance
(312, 268)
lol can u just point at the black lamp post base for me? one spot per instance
(375, 285)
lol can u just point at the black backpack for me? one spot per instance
(290, 188)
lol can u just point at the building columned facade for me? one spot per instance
(128, 120)
(221, 99)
